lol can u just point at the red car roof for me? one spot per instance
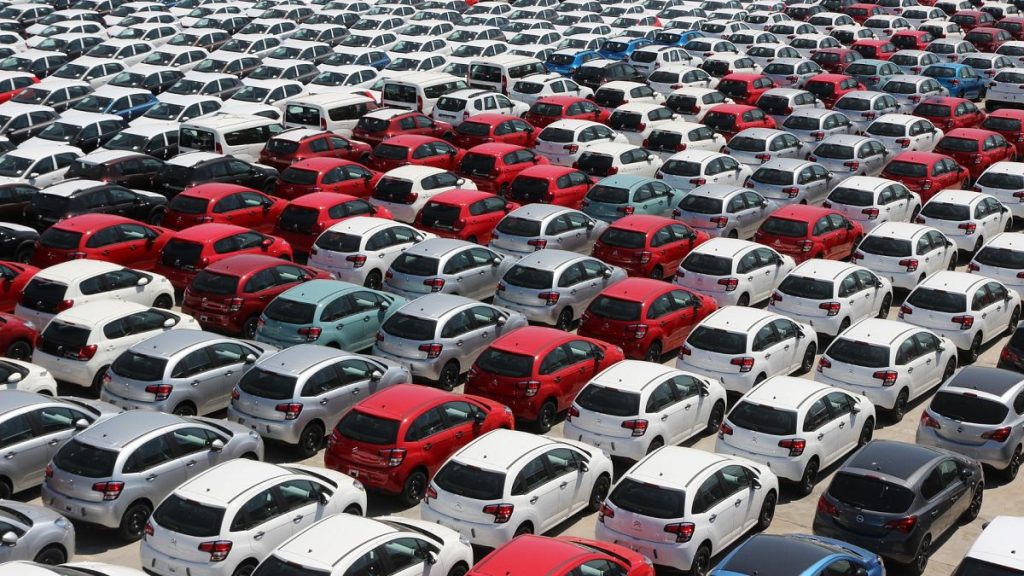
(87, 222)
(208, 232)
(989, 29)
(491, 119)
(1008, 112)
(732, 108)
(546, 171)
(460, 196)
(403, 400)
(321, 200)
(830, 77)
(494, 148)
(641, 222)
(745, 76)
(870, 42)
(911, 33)
(411, 140)
(928, 158)
(532, 340)
(214, 190)
(638, 289)
(529, 554)
(322, 163)
(242, 264)
(560, 100)
(802, 212)
(971, 133)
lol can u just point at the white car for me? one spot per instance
(889, 362)
(733, 271)
(179, 108)
(531, 88)
(21, 375)
(796, 428)
(862, 107)
(665, 80)
(806, 44)
(791, 181)
(1000, 259)
(681, 506)
(885, 25)
(904, 133)
(360, 250)
(692, 103)
(741, 346)
(689, 169)
(653, 57)
(1003, 91)
(1004, 181)
(454, 107)
(967, 309)
(606, 158)
(76, 282)
(679, 135)
(344, 78)
(909, 90)
(636, 120)
(917, 15)
(756, 146)
(632, 408)
(509, 482)
(951, 49)
(80, 343)
(345, 545)
(721, 64)
(966, 217)
(618, 92)
(95, 71)
(995, 548)
(40, 166)
(830, 295)
(407, 189)
(873, 201)
(563, 142)
(905, 254)
(246, 508)
(813, 125)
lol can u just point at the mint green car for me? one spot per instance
(328, 312)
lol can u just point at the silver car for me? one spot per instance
(34, 427)
(439, 336)
(112, 474)
(910, 90)
(815, 124)
(184, 372)
(446, 265)
(863, 106)
(32, 532)
(780, 103)
(554, 287)
(791, 181)
(298, 395)
(755, 146)
(723, 210)
(978, 413)
(537, 226)
(846, 156)
(791, 72)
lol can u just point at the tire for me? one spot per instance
(373, 280)
(414, 488)
(657, 273)
(920, 562)
(249, 327)
(449, 377)
(458, 570)
(155, 217)
(809, 478)
(52, 555)
(744, 300)
(655, 444)
(977, 245)
(23, 254)
(974, 508)
(163, 301)
(971, 354)
(133, 522)
(353, 509)
(473, 239)
(564, 321)
(546, 417)
(19, 350)
(866, 433)
(599, 493)
(808, 362)
(184, 409)
(244, 569)
(715, 418)
(701, 561)
(899, 409)
(952, 262)
(1009, 473)
(948, 372)
(1009, 225)
(311, 439)
(1014, 319)
(734, 234)
(844, 325)
(97, 381)
(270, 187)
(767, 513)
(525, 528)
(883, 310)
(5, 489)
(654, 353)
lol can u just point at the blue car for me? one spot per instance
(620, 48)
(373, 57)
(676, 37)
(959, 79)
(565, 62)
(128, 103)
(798, 555)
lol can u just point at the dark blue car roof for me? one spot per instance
(789, 556)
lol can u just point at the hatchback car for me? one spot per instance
(446, 265)
(226, 204)
(77, 197)
(567, 555)
(730, 119)
(723, 211)
(976, 149)
(905, 132)
(645, 245)
(800, 554)
(830, 296)
(555, 185)
(190, 250)
(37, 534)
(345, 248)
(323, 174)
(873, 201)
(299, 144)
(805, 232)
(925, 173)
(966, 217)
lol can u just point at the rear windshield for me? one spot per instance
(558, 135)
(946, 211)
(594, 164)
(1000, 258)
(87, 170)
(415, 265)
(868, 493)
(437, 215)
(265, 384)
(763, 419)
(139, 366)
(470, 482)
(298, 176)
(772, 176)
(281, 146)
(927, 110)
(410, 327)
(648, 499)
(852, 197)
(802, 123)
(783, 227)
(505, 363)
(707, 264)
(611, 401)
(84, 460)
(747, 144)
(180, 253)
(338, 242)
(390, 152)
(911, 169)
(608, 194)
(614, 308)
(290, 311)
(43, 295)
(477, 164)
(717, 340)
(721, 121)
(185, 204)
(392, 190)
(965, 408)
(473, 129)
(681, 168)
(624, 238)
(886, 129)
(999, 124)
(60, 239)
(532, 278)
(1002, 181)
(519, 226)
(937, 300)
(803, 287)
(528, 189)
(368, 428)
(214, 283)
(370, 124)
(274, 566)
(881, 246)
(609, 98)
(858, 353)
(958, 144)
(61, 334)
(834, 151)
(821, 89)
(189, 517)
(701, 205)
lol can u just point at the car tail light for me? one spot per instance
(394, 456)
(571, 148)
(684, 350)
(682, 530)
(627, 210)
(776, 297)
(972, 267)
(572, 413)
(965, 321)
(291, 410)
(235, 394)
(888, 377)
(605, 512)
(853, 165)
(871, 213)
(64, 305)
(806, 245)
(904, 310)
(928, 422)
(915, 99)
(357, 260)
(720, 221)
(724, 430)
(502, 512)
(529, 388)
(795, 445)
(791, 191)
(431, 493)
(763, 157)
(550, 298)
(419, 104)
(681, 146)
(1018, 195)
(695, 110)
(856, 256)
(501, 287)
(999, 435)
(218, 148)
(149, 529)
(436, 284)
(312, 334)
(638, 331)
(824, 363)
(968, 227)
(826, 204)
(826, 507)
(976, 158)
(812, 158)
(832, 308)
(905, 525)
(110, 489)
(903, 142)
(639, 427)
(910, 264)
(643, 256)
(818, 135)
(235, 304)
(698, 181)
(161, 391)
(746, 363)
(612, 171)
(433, 349)
(85, 352)
(729, 283)
(218, 549)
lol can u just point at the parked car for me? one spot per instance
(226, 204)
(568, 555)
(800, 554)
(104, 237)
(805, 232)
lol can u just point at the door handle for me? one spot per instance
(53, 442)
(229, 372)
(10, 455)
(458, 343)
(459, 434)
(194, 383)
(767, 355)
(842, 425)
(563, 485)
(935, 513)
(821, 435)
(258, 535)
(928, 361)
(298, 518)
(366, 318)
(355, 392)
(712, 518)
(325, 401)
(738, 502)
(190, 463)
(687, 407)
(664, 417)
(428, 446)
(534, 500)
(151, 477)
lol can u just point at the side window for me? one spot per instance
(932, 484)
(14, 430)
(298, 493)
(425, 425)
(734, 479)
(562, 461)
(401, 553)
(256, 511)
(320, 382)
(191, 440)
(765, 338)
(532, 476)
(557, 359)
(152, 453)
(711, 492)
(663, 395)
(192, 363)
(907, 351)
(816, 416)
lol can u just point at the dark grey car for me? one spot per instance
(897, 499)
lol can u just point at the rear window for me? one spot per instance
(43, 295)
(867, 493)
(185, 204)
(392, 190)
(532, 278)
(772, 176)
(1001, 124)
(410, 327)
(1002, 181)
(880, 246)
(821, 89)
(783, 227)
(747, 144)
(701, 205)
(975, 567)
(197, 139)
(611, 401)
(450, 104)
(519, 226)
(648, 499)
(545, 109)
(1000, 258)
(180, 253)
(763, 419)
(189, 517)
(88, 170)
(946, 211)
(559, 135)
(298, 176)
(473, 129)
(214, 283)
(290, 311)
(910, 169)
(886, 129)
(477, 164)
(527, 87)
(721, 121)
(594, 164)
(505, 363)
(615, 308)
(717, 340)
(370, 124)
(958, 144)
(368, 428)
(282, 147)
(852, 197)
(623, 238)
(707, 264)
(304, 115)
(81, 459)
(139, 366)
(60, 239)
(803, 287)
(59, 334)
(470, 481)
(338, 242)
(437, 215)
(931, 110)
(415, 265)
(967, 408)
(266, 384)
(773, 104)
(937, 300)
(390, 152)
(681, 168)
(858, 353)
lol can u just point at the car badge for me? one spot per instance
(173, 541)
(355, 449)
(959, 429)
(860, 518)
(458, 505)
(177, 263)
(39, 304)
(754, 439)
(637, 525)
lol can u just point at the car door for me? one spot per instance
(712, 508)
(741, 513)
(788, 339)
(535, 485)
(842, 408)
(572, 486)
(992, 221)
(156, 465)
(666, 404)
(24, 449)
(872, 287)
(263, 522)
(928, 368)
(938, 510)
(300, 503)
(995, 315)
(193, 448)
(227, 362)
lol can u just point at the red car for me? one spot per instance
(326, 175)
(875, 49)
(554, 108)
(298, 144)
(731, 119)
(925, 173)
(404, 456)
(1014, 25)
(492, 167)
(229, 295)
(13, 278)
(911, 39)
(976, 149)
(861, 12)
(537, 371)
(224, 203)
(464, 214)
(949, 112)
(645, 317)
(806, 232)
(379, 125)
(1009, 123)
(648, 246)
(988, 38)
(193, 249)
(484, 128)
(104, 237)
(831, 87)
(413, 149)
(835, 60)
(17, 337)
(549, 184)
(12, 83)
(971, 19)
(745, 88)
(307, 216)
(563, 556)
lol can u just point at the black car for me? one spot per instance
(85, 130)
(897, 499)
(60, 97)
(130, 169)
(72, 48)
(40, 63)
(1012, 355)
(26, 122)
(594, 76)
(76, 197)
(17, 242)
(156, 140)
(156, 81)
(14, 198)
(201, 167)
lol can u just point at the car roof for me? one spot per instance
(98, 311)
(192, 158)
(301, 358)
(330, 540)
(897, 459)
(965, 197)
(727, 247)
(535, 555)
(501, 448)
(208, 232)
(439, 247)
(737, 317)
(167, 344)
(15, 399)
(242, 264)
(69, 188)
(789, 553)
(641, 222)
(102, 156)
(436, 305)
(878, 331)
(361, 225)
(955, 281)
(1008, 240)
(672, 466)
(784, 391)
(632, 374)
(549, 259)
(403, 400)
(999, 542)
(75, 270)
(219, 485)
(319, 290)
(994, 381)
(821, 269)
(121, 429)
(637, 289)
(531, 340)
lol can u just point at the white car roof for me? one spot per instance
(69, 187)
(360, 226)
(737, 318)
(632, 375)
(785, 392)
(1008, 240)
(725, 247)
(824, 269)
(74, 270)
(219, 485)
(961, 282)
(999, 542)
(99, 311)
(877, 331)
(674, 466)
(963, 197)
(499, 449)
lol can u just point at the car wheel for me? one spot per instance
(249, 327)
(767, 514)
(184, 409)
(133, 522)
(654, 353)
(920, 561)
(525, 528)
(245, 569)
(414, 488)
(701, 561)
(5, 489)
(1009, 225)
(155, 217)
(744, 300)
(449, 377)
(599, 493)
(163, 301)
(19, 350)
(971, 354)
(23, 254)
(657, 273)
(373, 280)
(883, 310)
(866, 433)
(733, 234)
(715, 418)
(311, 438)
(458, 570)
(809, 478)
(97, 380)
(808, 361)
(975, 506)
(564, 321)
(1009, 473)
(655, 444)
(952, 262)
(546, 417)
(1014, 319)
(948, 372)
(353, 510)
(844, 325)
(899, 409)
(52, 555)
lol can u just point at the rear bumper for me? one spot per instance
(223, 323)
(287, 431)
(542, 314)
(740, 382)
(881, 396)
(901, 550)
(64, 369)
(160, 564)
(621, 447)
(994, 454)
(828, 325)
(389, 480)
(425, 368)
(131, 404)
(104, 514)
(488, 535)
(675, 556)
(786, 468)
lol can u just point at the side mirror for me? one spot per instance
(591, 224)
(324, 500)
(704, 391)
(501, 321)
(170, 322)
(479, 418)
(431, 558)
(142, 281)
(860, 571)
(755, 484)
(250, 358)
(10, 539)
(375, 376)
(849, 225)
(965, 475)
(32, 175)
(217, 445)
(460, 181)
(14, 378)
(509, 207)
(800, 334)
(81, 424)
(266, 244)
(495, 261)
(584, 467)
(607, 273)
